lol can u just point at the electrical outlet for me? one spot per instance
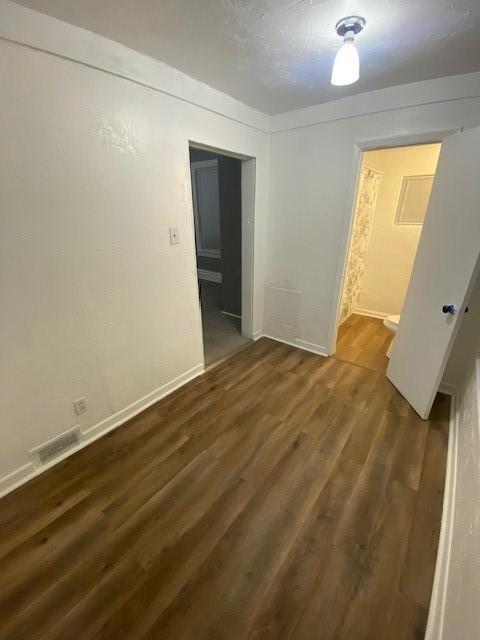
(174, 235)
(80, 406)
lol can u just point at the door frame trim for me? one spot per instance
(436, 610)
(248, 196)
(359, 147)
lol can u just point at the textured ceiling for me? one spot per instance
(276, 55)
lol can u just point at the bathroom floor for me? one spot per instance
(222, 334)
(364, 341)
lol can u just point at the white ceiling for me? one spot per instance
(276, 55)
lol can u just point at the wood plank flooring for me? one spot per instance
(364, 341)
(281, 495)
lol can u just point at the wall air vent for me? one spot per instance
(413, 200)
(56, 447)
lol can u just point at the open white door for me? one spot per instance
(442, 274)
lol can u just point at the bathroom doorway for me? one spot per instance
(393, 191)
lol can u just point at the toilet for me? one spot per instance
(391, 322)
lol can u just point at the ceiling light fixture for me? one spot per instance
(346, 68)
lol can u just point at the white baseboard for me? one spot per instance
(318, 349)
(436, 613)
(447, 388)
(210, 276)
(140, 405)
(28, 471)
(233, 315)
(16, 478)
(257, 335)
(371, 313)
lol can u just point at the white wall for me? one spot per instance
(461, 610)
(311, 169)
(94, 170)
(392, 247)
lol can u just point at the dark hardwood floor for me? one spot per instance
(281, 495)
(364, 341)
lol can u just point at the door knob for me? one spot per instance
(449, 308)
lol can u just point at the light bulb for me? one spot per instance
(346, 68)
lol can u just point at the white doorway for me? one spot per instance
(393, 192)
(223, 204)
(444, 269)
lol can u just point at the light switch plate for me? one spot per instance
(174, 235)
